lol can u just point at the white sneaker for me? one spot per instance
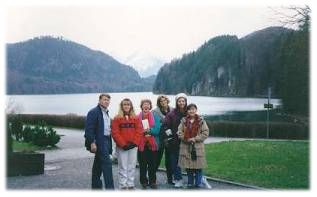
(178, 183)
(205, 183)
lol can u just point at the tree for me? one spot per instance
(295, 63)
(294, 17)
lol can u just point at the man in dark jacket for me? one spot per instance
(98, 135)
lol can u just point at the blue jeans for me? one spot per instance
(197, 173)
(102, 165)
(176, 170)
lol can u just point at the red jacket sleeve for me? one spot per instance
(116, 133)
(138, 131)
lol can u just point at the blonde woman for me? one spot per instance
(126, 132)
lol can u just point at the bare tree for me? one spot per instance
(297, 17)
(12, 107)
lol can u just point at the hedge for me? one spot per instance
(69, 120)
(245, 129)
(277, 130)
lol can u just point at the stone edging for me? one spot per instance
(226, 181)
(221, 181)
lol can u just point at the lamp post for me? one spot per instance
(268, 106)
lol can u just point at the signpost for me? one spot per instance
(268, 106)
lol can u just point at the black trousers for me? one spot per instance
(102, 165)
(148, 165)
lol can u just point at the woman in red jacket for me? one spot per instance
(126, 132)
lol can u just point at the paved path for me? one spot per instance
(69, 167)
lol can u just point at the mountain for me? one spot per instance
(227, 66)
(48, 65)
(149, 81)
(145, 63)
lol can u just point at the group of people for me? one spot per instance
(178, 132)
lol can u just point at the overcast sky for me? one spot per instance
(137, 35)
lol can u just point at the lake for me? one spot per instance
(80, 104)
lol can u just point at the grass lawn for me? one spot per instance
(27, 147)
(269, 164)
(24, 147)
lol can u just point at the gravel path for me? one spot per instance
(69, 167)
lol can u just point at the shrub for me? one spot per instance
(27, 133)
(39, 136)
(52, 136)
(39, 133)
(44, 135)
(9, 138)
(17, 128)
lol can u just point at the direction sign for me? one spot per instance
(268, 105)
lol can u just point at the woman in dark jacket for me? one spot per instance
(170, 137)
(161, 111)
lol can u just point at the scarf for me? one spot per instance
(191, 129)
(148, 141)
(148, 116)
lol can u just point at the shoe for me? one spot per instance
(205, 183)
(171, 182)
(178, 183)
(124, 188)
(144, 185)
(190, 186)
(153, 186)
(131, 188)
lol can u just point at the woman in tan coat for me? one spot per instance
(192, 131)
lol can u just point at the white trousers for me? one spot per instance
(126, 164)
(114, 148)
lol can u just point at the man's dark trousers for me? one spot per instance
(102, 165)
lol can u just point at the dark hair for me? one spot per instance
(146, 101)
(106, 95)
(191, 105)
(185, 103)
(158, 103)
